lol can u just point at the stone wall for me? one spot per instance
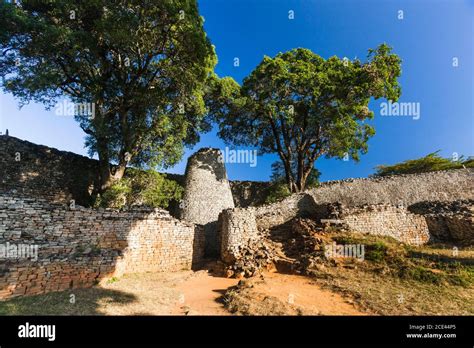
(386, 220)
(301, 204)
(143, 240)
(448, 221)
(404, 190)
(77, 248)
(45, 172)
(379, 206)
(237, 228)
(451, 229)
(60, 176)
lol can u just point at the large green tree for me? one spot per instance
(143, 64)
(301, 107)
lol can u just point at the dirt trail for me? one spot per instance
(199, 295)
(304, 293)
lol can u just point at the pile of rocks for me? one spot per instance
(306, 237)
(296, 245)
(307, 243)
(306, 227)
(252, 259)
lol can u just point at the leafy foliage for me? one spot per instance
(301, 107)
(279, 190)
(278, 174)
(144, 65)
(429, 163)
(138, 187)
(115, 196)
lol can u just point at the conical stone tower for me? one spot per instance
(207, 189)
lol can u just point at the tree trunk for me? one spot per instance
(299, 185)
(108, 175)
(300, 179)
(289, 175)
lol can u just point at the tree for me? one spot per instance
(141, 188)
(430, 163)
(279, 189)
(143, 65)
(301, 107)
(278, 174)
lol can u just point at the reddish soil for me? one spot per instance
(201, 294)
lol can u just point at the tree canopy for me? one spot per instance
(143, 65)
(302, 106)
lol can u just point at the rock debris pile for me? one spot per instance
(253, 258)
(295, 245)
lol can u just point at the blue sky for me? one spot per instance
(427, 39)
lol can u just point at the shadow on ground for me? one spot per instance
(71, 302)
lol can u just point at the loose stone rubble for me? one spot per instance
(252, 259)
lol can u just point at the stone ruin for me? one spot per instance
(207, 189)
(79, 246)
(207, 193)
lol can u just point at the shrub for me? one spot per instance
(429, 163)
(276, 192)
(141, 188)
(376, 252)
(420, 273)
(115, 196)
(150, 188)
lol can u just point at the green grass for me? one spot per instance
(112, 280)
(384, 254)
(429, 278)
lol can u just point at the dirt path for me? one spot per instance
(303, 293)
(200, 293)
(187, 293)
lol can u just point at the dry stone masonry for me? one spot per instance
(78, 247)
(44, 172)
(448, 221)
(59, 176)
(207, 190)
(446, 186)
(385, 220)
(388, 206)
(238, 227)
